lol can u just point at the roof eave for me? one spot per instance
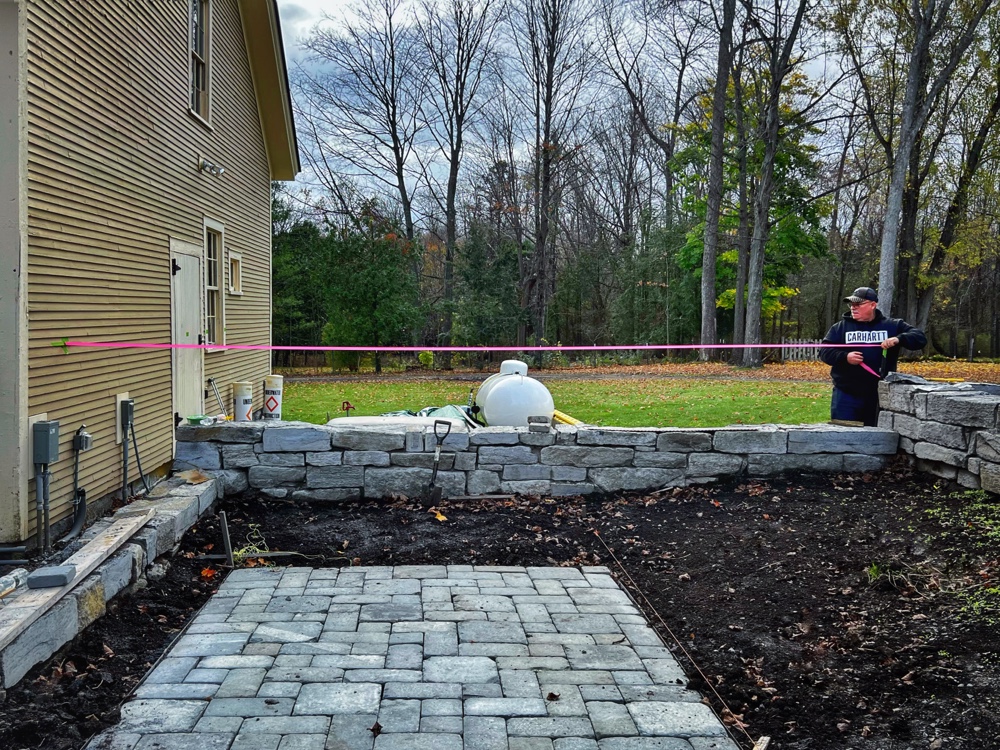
(262, 30)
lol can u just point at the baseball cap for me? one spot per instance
(861, 294)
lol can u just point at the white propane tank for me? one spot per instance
(507, 367)
(242, 402)
(513, 399)
(273, 387)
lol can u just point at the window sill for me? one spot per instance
(235, 294)
(201, 120)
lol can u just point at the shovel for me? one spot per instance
(434, 493)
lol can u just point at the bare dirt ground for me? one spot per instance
(826, 612)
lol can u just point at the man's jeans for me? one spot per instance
(854, 408)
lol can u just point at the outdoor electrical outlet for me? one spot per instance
(83, 441)
(119, 398)
(128, 412)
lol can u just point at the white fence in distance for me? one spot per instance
(807, 350)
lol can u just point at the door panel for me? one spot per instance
(186, 325)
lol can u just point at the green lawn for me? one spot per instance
(639, 401)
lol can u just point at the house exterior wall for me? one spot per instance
(113, 155)
(13, 275)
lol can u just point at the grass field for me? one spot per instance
(693, 394)
(632, 401)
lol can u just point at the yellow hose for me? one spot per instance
(558, 416)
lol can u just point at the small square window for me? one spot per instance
(235, 273)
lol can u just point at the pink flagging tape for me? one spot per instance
(871, 371)
(268, 347)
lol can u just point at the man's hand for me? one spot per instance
(890, 342)
(854, 358)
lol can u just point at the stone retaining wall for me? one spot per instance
(178, 506)
(952, 430)
(330, 463)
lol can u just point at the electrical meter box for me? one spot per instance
(45, 442)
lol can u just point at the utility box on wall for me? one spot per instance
(45, 442)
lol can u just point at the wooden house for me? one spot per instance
(138, 143)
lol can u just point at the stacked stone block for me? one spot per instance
(178, 506)
(951, 429)
(328, 462)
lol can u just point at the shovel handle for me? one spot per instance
(447, 424)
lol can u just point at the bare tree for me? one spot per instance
(941, 30)
(650, 54)
(552, 45)
(779, 41)
(457, 38)
(360, 97)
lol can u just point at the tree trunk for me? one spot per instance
(743, 233)
(714, 205)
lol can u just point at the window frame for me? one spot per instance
(199, 60)
(217, 230)
(235, 285)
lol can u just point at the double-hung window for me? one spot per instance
(199, 57)
(214, 254)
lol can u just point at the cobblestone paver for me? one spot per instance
(455, 657)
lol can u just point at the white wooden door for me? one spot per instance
(186, 326)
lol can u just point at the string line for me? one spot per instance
(739, 724)
(65, 344)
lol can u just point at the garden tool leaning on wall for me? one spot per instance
(433, 491)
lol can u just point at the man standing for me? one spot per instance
(856, 373)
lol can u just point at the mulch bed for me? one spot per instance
(826, 612)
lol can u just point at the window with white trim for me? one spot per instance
(199, 10)
(235, 273)
(215, 330)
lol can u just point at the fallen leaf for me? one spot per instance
(552, 697)
(375, 729)
(107, 650)
(193, 476)
(208, 573)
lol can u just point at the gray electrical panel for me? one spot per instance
(45, 442)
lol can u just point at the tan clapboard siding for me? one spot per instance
(112, 176)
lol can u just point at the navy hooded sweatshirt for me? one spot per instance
(854, 379)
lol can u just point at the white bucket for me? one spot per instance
(273, 387)
(242, 401)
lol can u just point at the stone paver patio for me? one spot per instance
(439, 657)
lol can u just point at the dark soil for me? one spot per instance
(846, 612)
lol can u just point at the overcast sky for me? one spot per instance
(298, 18)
